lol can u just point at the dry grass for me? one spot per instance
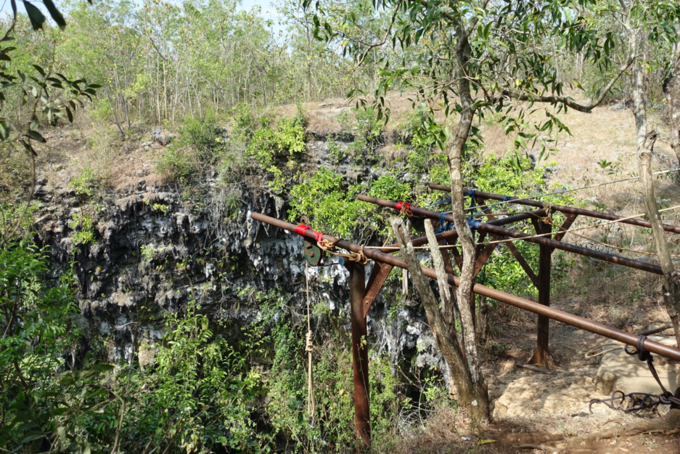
(116, 164)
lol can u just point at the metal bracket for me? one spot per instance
(312, 252)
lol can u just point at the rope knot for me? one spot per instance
(309, 346)
(327, 245)
(642, 354)
(357, 257)
(443, 225)
(548, 207)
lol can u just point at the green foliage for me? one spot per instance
(420, 132)
(203, 136)
(43, 399)
(148, 252)
(337, 153)
(333, 422)
(270, 146)
(287, 139)
(329, 204)
(200, 392)
(501, 177)
(200, 143)
(84, 230)
(367, 129)
(15, 221)
(177, 164)
(162, 207)
(85, 183)
(389, 187)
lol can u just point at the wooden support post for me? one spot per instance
(362, 413)
(540, 356)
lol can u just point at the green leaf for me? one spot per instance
(69, 114)
(54, 12)
(26, 426)
(37, 17)
(35, 135)
(28, 147)
(102, 367)
(34, 435)
(40, 70)
(4, 130)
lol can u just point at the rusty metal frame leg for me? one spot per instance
(540, 356)
(565, 225)
(362, 411)
(484, 255)
(378, 277)
(457, 257)
(523, 263)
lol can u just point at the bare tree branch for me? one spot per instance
(566, 100)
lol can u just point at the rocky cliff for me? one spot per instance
(155, 248)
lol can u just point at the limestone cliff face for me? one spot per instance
(156, 248)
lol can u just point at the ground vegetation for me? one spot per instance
(203, 89)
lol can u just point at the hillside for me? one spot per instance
(190, 241)
(487, 193)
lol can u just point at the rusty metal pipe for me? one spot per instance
(362, 410)
(423, 212)
(489, 227)
(452, 234)
(562, 208)
(522, 303)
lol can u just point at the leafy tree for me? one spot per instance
(471, 59)
(33, 92)
(47, 391)
(645, 23)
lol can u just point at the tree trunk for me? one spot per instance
(455, 153)
(470, 395)
(671, 288)
(113, 108)
(645, 146)
(671, 88)
(309, 63)
(438, 261)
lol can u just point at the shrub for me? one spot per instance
(85, 183)
(176, 164)
(287, 139)
(329, 204)
(284, 141)
(84, 230)
(44, 400)
(366, 128)
(203, 136)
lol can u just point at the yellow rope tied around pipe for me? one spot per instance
(308, 348)
(357, 257)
